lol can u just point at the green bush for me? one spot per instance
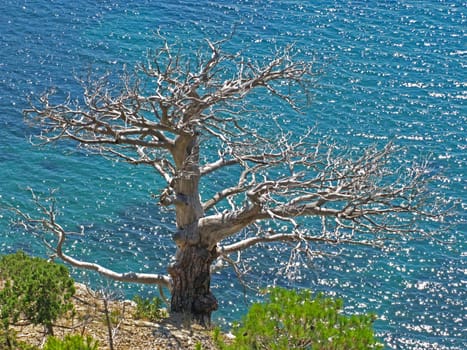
(9, 304)
(148, 309)
(295, 320)
(33, 288)
(71, 342)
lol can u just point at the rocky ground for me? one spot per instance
(127, 332)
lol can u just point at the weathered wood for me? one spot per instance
(191, 277)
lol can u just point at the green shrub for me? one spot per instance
(295, 320)
(147, 309)
(38, 290)
(9, 304)
(71, 342)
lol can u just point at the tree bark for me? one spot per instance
(191, 275)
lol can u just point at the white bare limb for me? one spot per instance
(288, 237)
(350, 194)
(47, 223)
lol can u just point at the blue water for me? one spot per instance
(391, 70)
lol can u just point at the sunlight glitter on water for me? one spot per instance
(392, 71)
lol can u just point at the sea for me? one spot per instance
(388, 71)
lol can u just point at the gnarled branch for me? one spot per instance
(47, 223)
(288, 237)
(360, 195)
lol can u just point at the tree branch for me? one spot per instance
(288, 237)
(48, 223)
(363, 194)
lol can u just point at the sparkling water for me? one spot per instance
(391, 70)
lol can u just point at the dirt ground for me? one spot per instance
(90, 318)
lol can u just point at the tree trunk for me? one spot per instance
(191, 275)
(49, 329)
(190, 272)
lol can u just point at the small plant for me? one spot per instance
(148, 309)
(33, 288)
(115, 317)
(71, 342)
(295, 320)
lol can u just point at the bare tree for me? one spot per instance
(172, 108)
